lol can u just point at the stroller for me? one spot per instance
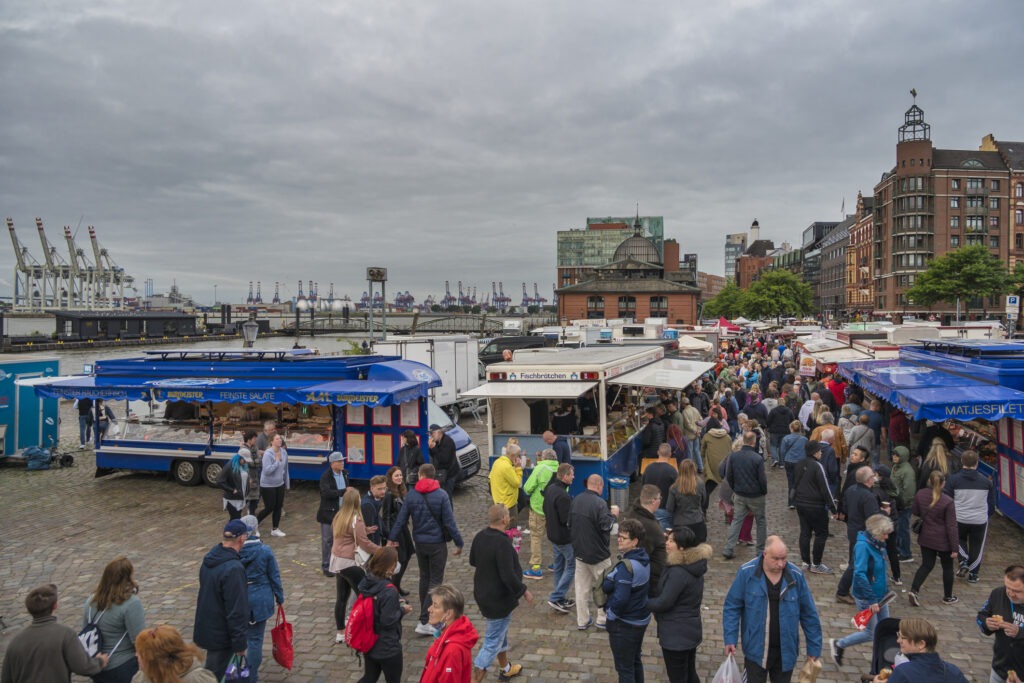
(885, 647)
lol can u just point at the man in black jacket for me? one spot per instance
(497, 587)
(333, 483)
(779, 419)
(653, 435)
(653, 540)
(442, 456)
(222, 605)
(812, 496)
(557, 502)
(590, 525)
(859, 503)
(749, 483)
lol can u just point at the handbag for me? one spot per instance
(238, 670)
(281, 634)
(917, 525)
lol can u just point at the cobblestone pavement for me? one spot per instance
(64, 525)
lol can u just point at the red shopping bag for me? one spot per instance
(284, 652)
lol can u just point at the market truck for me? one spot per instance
(187, 410)
(522, 394)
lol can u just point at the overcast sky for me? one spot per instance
(223, 142)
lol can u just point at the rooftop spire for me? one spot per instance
(914, 128)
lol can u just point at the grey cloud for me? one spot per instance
(228, 142)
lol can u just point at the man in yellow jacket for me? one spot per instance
(506, 479)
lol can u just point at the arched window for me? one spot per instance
(1019, 190)
(627, 307)
(595, 306)
(659, 306)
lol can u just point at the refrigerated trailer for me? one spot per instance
(455, 360)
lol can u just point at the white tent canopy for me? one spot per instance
(667, 373)
(688, 343)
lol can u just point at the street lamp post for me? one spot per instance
(250, 329)
(300, 305)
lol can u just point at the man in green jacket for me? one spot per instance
(546, 467)
(904, 478)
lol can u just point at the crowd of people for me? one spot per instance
(709, 446)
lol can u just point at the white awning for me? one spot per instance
(529, 390)
(667, 373)
(837, 355)
(33, 381)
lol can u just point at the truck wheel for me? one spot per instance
(211, 471)
(186, 472)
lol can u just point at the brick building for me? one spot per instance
(859, 281)
(934, 201)
(635, 284)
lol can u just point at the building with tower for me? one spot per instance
(934, 201)
(579, 252)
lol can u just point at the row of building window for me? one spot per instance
(627, 305)
(974, 202)
(972, 240)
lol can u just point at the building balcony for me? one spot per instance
(976, 210)
(977, 191)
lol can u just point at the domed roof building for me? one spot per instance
(633, 285)
(638, 248)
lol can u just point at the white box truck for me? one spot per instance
(453, 357)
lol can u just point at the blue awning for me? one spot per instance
(926, 393)
(371, 393)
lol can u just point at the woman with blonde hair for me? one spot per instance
(687, 501)
(937, 460)
(165, 658)
(938, 537)
(349, 537)
(116, 611)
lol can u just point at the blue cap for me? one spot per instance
(235, 529)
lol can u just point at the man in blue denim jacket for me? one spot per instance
(769, 600)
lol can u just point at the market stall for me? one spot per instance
(523, 394)
(976, 388)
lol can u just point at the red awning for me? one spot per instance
(726, 325)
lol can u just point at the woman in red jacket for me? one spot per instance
(449, 659)
(938, 536)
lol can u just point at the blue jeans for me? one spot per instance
(495, 641)
(664, 518)
(626, 641)
(84, 428)
(903, 533)
(254, 652)
(565, 571)
(775, 440)
(868, 634)
(694, 445)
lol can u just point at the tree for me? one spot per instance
(728, 303)
(962, 274)
(778, 292)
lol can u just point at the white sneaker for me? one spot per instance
(425, 629)
(278, 532)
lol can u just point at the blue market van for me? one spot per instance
(975, 387)
(187, 410)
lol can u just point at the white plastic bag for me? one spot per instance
(728, 672)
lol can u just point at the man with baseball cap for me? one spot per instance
(333, 483)
(222, 606)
